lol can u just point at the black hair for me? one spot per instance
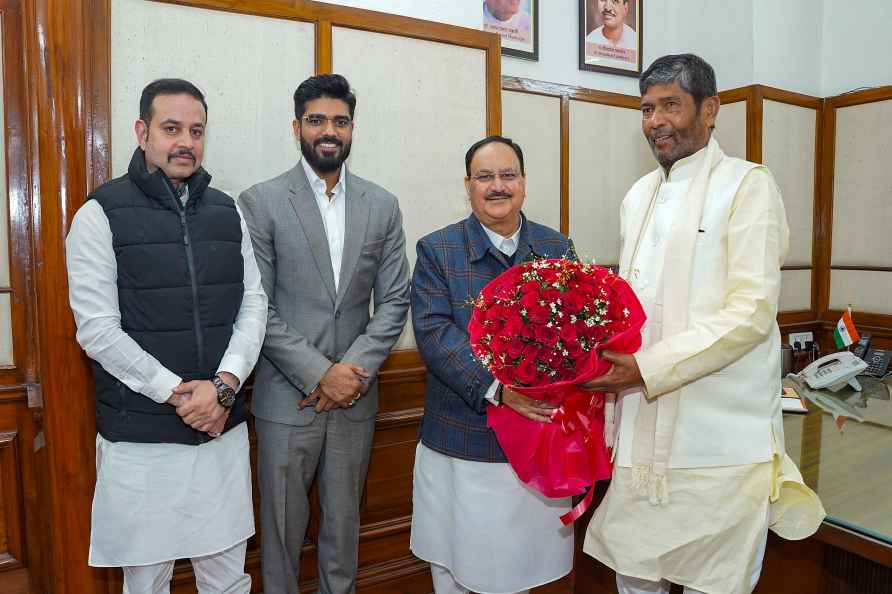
(691, 72)
(167, 86)
(333, 86)
(469, 156)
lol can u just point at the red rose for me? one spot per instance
(515, 348)
(574, 349)
(554, 359)
(526, 373)
(530, 300)
(548, 275)
(513, 326)
(530, 287)
(572, 302)
(568, 333)
(551, 296)
(539, 314)
(499, 346)
(546, 336)
(531, 351)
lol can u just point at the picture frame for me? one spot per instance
(517, 23)
(611, 36)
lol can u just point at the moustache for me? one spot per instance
(328, 139)
(498, 194)
(181, 153)
(652, 137)
(607, 13)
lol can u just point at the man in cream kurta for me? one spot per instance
(700, 470)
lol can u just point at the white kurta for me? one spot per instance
(159, 502)
(708, 534)
(492, 532)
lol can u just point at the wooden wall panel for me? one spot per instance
(12, 537)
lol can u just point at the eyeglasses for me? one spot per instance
(317, 121)
(488, 178)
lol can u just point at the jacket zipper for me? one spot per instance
(190, 263)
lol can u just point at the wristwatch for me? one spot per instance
(225, 394)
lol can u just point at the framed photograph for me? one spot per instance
(517, 23)
(610, 36)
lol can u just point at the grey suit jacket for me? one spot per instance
(310, 325)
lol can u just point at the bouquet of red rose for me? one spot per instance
(538, 327)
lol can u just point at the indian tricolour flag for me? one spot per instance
(845, 333)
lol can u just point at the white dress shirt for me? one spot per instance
(155, 502)
(506, 245)
(334, 214)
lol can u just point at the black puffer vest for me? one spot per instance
(180, 287)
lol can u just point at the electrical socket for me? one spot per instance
(802, 337)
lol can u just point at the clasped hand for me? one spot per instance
(341, 386)
(196, 403)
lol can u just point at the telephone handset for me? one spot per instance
(834, 371)
(877, 359)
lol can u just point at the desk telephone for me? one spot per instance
(836, 370)
(877, 359)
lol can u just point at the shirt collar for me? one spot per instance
(318, 184)
(685, 168)
(506, 245)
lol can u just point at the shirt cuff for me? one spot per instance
(160, 387)
(491, 393)
(237, 366)
(652, 373)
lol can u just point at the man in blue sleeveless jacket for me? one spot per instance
(169, 307)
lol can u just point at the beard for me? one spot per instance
(322, 163)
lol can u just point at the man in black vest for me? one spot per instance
(170, 309)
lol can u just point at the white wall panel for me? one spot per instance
(247, 66)
(730, 129)
(788, 149)
(795, 290)
(414, 123)
(862, 187)
(534, 122)
(608, 154)
(864, 290)
(6, 355)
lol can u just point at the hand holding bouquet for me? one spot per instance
(538, 327)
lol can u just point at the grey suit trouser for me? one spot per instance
(336, 451)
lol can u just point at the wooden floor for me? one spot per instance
(14, 582)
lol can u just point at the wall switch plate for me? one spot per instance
(802, 337)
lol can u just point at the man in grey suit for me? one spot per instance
(326, 241)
